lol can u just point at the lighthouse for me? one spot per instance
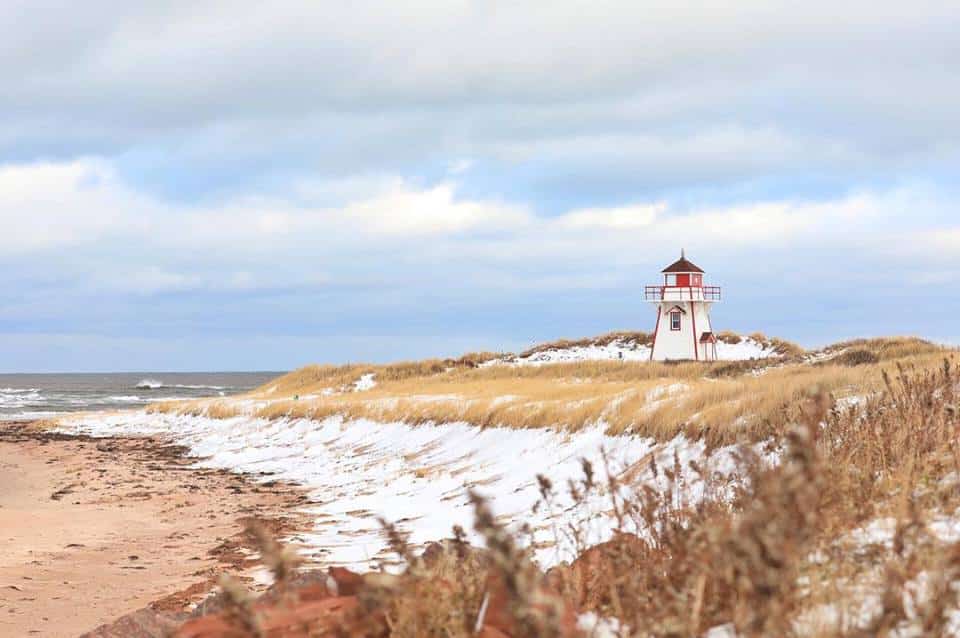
(683, 314)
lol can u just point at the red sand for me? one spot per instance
(96, 528)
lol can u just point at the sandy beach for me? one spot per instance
(93, 529)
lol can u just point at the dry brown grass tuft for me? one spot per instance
(856, 357)
(889, 348)
(728, 336)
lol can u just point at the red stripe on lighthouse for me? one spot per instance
(696, 346)
(656, 331)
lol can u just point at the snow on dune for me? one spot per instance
(416, 476)
(365, 382)
(748, 348)
(614, 351)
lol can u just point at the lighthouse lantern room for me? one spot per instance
(683, 314)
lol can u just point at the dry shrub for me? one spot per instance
(899, 439)
(780, 347)
(439, 594)
(889, 348)
(728, 336)
(474, 359)
(453, 590)
(678, 571)
(738, 368)
(856, 357)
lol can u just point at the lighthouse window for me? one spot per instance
(675, 320)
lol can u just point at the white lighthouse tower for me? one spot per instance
(683, 314)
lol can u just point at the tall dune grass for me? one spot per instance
(719, 402)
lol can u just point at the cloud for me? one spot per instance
(222, 95)
(54, 205)
(478, 169)
(433, 211)
(620, 218)
(116, 234)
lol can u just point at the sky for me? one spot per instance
(240, 185)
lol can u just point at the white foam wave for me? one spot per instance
(197, 387)
(19, 399)
(154, 384)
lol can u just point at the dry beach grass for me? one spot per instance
(786, 555)
(721, 402)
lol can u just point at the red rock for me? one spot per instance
(348, 583)
(302, 620)
(315, 592)
(499, 616)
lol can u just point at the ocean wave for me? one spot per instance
(19, 399)
(153, 384)
(18, 390)
(127, 399)
(198, 387)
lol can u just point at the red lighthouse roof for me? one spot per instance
(682, 265)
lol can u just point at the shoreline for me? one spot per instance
(95, 528)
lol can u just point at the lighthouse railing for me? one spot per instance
(682, 293)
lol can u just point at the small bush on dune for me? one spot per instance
(888, 348)
(730, 337)
(856, 357)
(474, 359)
(786, 348)
(737, 368)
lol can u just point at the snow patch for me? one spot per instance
(365, 382)
(747, 349)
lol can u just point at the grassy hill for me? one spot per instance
(721, 402)
(844, 522)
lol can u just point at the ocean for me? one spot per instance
(37, 396)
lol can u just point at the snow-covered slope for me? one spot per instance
(415, 476)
